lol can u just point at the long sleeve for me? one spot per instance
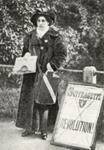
(59, 55)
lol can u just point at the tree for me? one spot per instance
(81, 22)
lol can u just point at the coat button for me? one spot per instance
(41, 47)
(45, 41)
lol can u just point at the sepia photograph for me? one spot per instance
(51, 75)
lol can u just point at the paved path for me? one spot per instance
(10, 139)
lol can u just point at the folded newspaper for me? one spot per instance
(25, 65)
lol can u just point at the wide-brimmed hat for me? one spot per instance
(47, 13)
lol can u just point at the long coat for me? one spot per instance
(49, 49)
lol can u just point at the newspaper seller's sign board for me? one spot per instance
(77, 117)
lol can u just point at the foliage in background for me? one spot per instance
(81, 22)
(9, 102)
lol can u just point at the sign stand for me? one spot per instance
(78, 116)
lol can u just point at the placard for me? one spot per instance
(78, 116)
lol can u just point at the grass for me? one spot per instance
(9, 102)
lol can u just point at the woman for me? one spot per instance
(47, 44)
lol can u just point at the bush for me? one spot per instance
(9, 80)
(9, 102)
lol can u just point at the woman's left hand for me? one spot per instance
(49, 68)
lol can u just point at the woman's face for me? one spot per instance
(42, 23)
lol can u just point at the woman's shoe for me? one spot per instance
(26, 133)
(44, 135)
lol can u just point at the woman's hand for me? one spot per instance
(27, 55)
(49, 68)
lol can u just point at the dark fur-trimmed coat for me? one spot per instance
(49, 49)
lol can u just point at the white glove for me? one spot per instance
(27, 55)
(49, 68)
